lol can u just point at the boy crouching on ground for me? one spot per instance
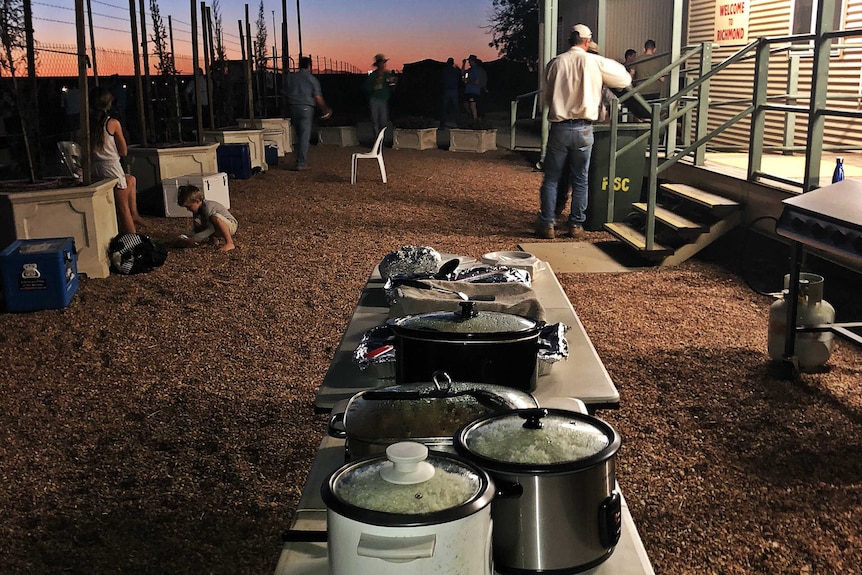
(211, 220)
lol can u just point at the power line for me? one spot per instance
(72, 10)
(109, 5)
(72, 24)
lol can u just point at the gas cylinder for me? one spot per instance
(812, 348)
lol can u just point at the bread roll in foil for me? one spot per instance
(410, 261)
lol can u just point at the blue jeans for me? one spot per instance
(569, 147)
(379, 114)
(301, 117)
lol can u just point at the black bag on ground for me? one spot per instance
(135, 254)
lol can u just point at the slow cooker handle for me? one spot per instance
(508, 490)
(610, 520)
(396, 549)
(335, 426)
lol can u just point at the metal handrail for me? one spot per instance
(514, 113)
(664, 115)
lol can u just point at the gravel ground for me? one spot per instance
(163, 423)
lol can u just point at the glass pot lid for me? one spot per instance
(430, 409)
(542, 439)
(467, 321)
(409, 480)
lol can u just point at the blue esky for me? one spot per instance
(348, 30)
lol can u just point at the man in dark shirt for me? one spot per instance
(644, 70)
(450, 79)
(303, 94)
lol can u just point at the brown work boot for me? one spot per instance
(545, 231)
(576, 231)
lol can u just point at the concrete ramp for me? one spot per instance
(583, 257)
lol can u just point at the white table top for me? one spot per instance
(582, 375)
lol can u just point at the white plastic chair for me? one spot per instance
(375, 153)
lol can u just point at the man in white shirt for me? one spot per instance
(572, 93)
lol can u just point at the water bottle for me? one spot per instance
(838, 174)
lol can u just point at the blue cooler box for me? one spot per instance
(234, 160)
(39, 274)
(270, 153)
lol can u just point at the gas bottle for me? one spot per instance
(838, 173)
(812, 348)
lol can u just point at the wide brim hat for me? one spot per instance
(380, 59)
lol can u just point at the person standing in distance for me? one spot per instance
(303, 94)
(644, 70)
(572, 93)
(450, 81)
(378, 87)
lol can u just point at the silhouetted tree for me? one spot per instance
(165, 65)
(515, 30)
(220, 52)
(13, 36)
(221, 85)
(260, 47)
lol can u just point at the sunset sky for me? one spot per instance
(348, 31)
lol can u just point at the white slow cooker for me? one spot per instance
(410, 512)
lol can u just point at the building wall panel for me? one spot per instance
(772, 18)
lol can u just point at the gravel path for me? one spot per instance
(163, 423)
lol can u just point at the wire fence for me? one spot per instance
(60, 60)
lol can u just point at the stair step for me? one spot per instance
(637, 240)
(671, 219)
(716, 204)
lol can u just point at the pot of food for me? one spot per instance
(562, 513)
(429, 413)
(482, 346)
(409, 512)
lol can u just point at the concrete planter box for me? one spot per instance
(251, 136)
(274, 129)
(343, 136)
(480, 141)
(152, 165)
(86, 213)
(418, 139)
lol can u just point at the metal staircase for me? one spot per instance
(688, 219)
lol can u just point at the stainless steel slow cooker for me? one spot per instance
(427, 412)
(409, 512)
(557, 509)
(470, 345)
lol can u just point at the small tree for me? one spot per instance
(13, 36)
(220, 52)
(260, 48)
(166, 105)
(260, 58)
(223, 104)
(165, 65)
